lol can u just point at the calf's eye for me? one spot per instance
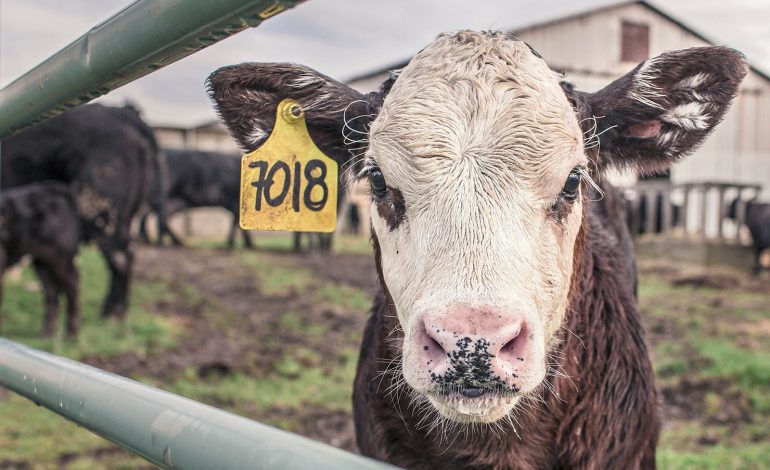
(572, 185)
(377, 181)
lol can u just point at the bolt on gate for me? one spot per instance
(167, 430)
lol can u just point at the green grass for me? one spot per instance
(712, 344)
(292, 386)
(27, 430)
(291, 321)
(705, 337)
(275, 278)
(669, 361)
(719, 457)
(143, 330)
(345, 296)
(317, 386)
(357, 245)
(748, 369)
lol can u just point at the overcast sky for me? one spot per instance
(342, 38)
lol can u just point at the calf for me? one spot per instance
(505, 333)
(193, 178)
(105, 155)
(40, 220)
(758, 221)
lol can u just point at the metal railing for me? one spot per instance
(698, 210)
(143, 37)
(167, 430)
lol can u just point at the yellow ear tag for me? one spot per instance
(288, 183)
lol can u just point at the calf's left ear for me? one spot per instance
(247, 96)
(663, 109)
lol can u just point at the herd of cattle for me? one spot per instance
(86, 174)
(83, 176)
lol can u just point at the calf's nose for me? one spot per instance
(473, 347)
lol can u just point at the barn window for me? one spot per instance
(634, 42)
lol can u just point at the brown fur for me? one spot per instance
(605, 416)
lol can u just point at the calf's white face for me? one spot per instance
(475, 155)
(475, 143)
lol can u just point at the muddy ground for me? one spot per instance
(249, 337)
(233, 313)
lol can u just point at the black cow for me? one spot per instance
(758, 221)
(41, 220)
(105, 155)
(194, 178)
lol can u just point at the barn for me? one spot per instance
(596, 46)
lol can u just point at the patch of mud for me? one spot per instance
(357, 271)
(720, 409)
(10, 464)
(712, 401)
(328, 426)
(232, 327)
(711, 281)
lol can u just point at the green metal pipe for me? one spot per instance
(141, 38)
(168, 430)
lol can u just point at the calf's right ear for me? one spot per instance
(246, 97)
(663, 109)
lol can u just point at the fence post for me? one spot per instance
(650, 198)
(667, 211)
(685, 208)
(703, 208)
(720, 212)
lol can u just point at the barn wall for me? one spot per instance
(213, 139)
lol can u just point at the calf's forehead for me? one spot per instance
(478, 96)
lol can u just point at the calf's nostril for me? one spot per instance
(515, 347)
(472, 392)
(509, 346)
(431, 345)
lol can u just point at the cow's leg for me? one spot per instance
(68, 281)
(297, 236)
(757, 262)
(164, 212)
(170, 208)
(173, 236)
(164, 229)
(2, 271)
(231, 235)
(247, 239)
(143, 235)
(51, 295)
(326, 241)
(160, 226)
(119, 260)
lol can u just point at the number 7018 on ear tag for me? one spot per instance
(288, 183)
